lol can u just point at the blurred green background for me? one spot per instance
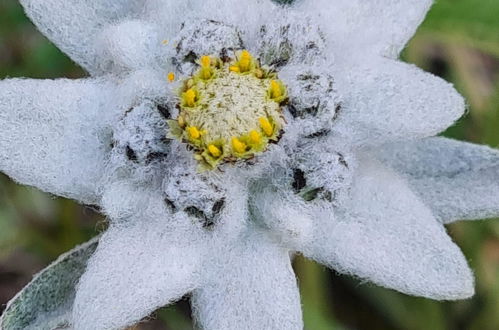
(459, 41)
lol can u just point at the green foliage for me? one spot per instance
(472, 21)
(46, 302)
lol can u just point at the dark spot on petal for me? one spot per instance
(311, 45)
(218, 206)
(318, 134)
(155, 156)
(197, 213)
(130, 154)
(170, 204)
(299, 181)
(337, 111)
(191, 57)
(164, 111)
(342, 161)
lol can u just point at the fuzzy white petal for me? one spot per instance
(387, 236)
(383, 234)
(55, 134)
(250, 285)
(139, 266)
(247, 16)
(287, 217)
(457, 180)
(381, 27)
(130, 44)
(385, 100)
(74, 25)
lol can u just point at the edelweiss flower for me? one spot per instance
(220, 137)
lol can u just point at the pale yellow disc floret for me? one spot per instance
(214, 150)
(190, 98)
(229, 110)
(193, 132)
(266, 126)
(255, 137)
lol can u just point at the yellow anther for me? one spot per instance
(234, 69)
(190, 97)
(214, 151)
(275, 89)
(205, 73)
(255, 137)
(266, 126)
(205, 61)
(245, 61)
(245, 55)
(171, 77)
(164, 42)
(238, 146)
(193, 132)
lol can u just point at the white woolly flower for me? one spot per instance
(220, 137)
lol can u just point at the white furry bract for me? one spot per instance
(55, 134)
(75, 25)
(354, 182)
(258, 268)
(380, 27)
(457, 180)
(387, 100)
(385, 234)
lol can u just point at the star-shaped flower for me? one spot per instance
(220, 137)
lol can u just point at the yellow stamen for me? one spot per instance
(234, 69)
(164, 42)
(245, 61)
(275, 90)
(205, 61)
(205, 73)
(255, 137)
(238, 146)
(190, 97)
(266, 126)
(193, 132)
(214, 151)
(171, 77)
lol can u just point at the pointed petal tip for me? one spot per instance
(386, 100)
(460, 288)
(448, 277)
(392, 240)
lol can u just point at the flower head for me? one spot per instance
(228, 115)
(257, 131)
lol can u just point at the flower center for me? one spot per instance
(230, 110)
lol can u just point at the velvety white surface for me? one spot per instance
(74, 25)
(139, 266)
(248, 286)
(378, 27)
(386, 100)
(457, 180)
(55, 134)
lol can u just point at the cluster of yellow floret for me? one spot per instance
(229, 109)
